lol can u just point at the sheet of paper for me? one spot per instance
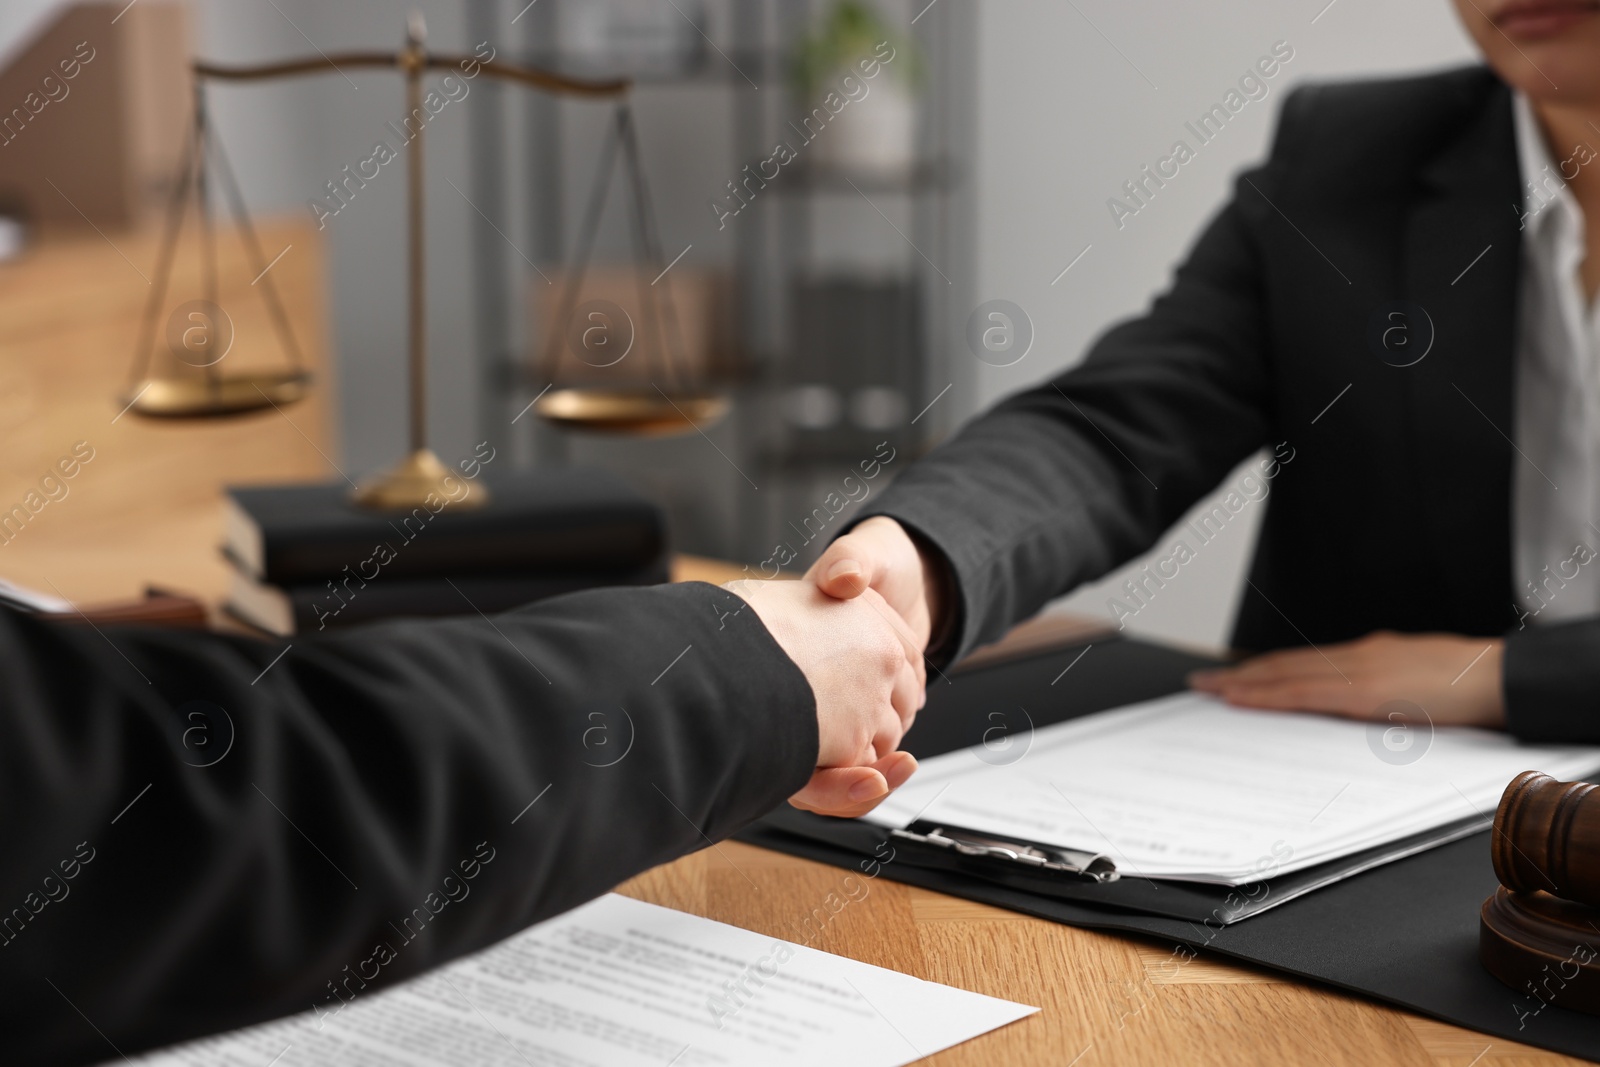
(1188, 787)
(619, 983)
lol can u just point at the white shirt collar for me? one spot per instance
(1544, 192)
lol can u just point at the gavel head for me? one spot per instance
(1547, 837)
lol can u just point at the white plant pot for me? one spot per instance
(875, 135)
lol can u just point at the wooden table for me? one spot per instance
(146, 509)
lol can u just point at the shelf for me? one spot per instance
(765, 67)
(925, 176)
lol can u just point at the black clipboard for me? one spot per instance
(1168, 898)
(963, 706)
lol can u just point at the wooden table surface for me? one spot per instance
(146, 509)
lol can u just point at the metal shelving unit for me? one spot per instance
(780, 275)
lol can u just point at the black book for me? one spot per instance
(311, 607)
(546, 521)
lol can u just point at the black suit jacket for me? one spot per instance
(1395, 510)
(196, 834)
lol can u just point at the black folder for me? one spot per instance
(1403, 931)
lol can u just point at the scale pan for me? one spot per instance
(625, 411)
(195, 397)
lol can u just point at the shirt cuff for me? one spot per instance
(1551, 682)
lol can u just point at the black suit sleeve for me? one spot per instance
(1059, 484)
(199, 833)
(1550, 678)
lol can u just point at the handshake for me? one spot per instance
(857, 626)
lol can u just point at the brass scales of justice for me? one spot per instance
(204, 390)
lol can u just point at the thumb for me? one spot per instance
(847, 569)
(850, 792)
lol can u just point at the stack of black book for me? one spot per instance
(306, 558)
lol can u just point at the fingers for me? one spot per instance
(897, 768)
(886, 739)
(848, 792)
(846, 569)
(1303, 679)
(1277, 670)
(841, 790)
(908, 644)
(1327, 697)
(907, 697)
(1267, 667)
(1359, 678)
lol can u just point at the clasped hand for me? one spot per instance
(857, 626)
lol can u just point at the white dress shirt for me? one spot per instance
(1556, 479)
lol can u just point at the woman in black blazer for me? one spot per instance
(1405, 321)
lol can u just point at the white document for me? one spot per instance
(1187, 787)
(619, 983)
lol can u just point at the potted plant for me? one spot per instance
(872, 121)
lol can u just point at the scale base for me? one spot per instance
(419, 480)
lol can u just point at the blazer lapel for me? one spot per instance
(1463, 257)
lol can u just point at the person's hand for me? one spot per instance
(879, 555)
(859, 665)
(1455, 680)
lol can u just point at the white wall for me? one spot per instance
(1064, 120)
(22, 19)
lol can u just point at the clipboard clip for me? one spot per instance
(1095, 866)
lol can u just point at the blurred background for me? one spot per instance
(833, 303)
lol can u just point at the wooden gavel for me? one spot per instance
(1540, 931)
